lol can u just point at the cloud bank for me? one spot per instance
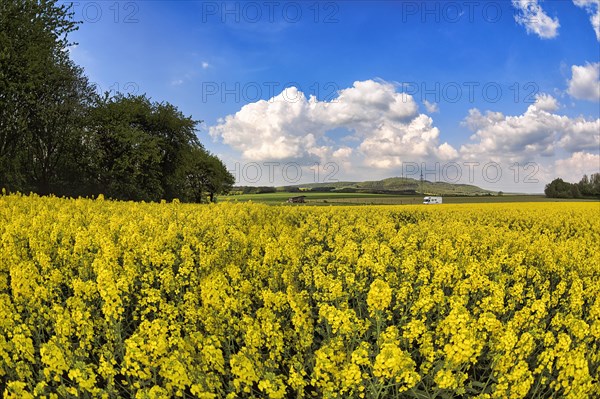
(386, 124)
(539, 131)
(371, 130)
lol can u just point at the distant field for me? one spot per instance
(379, 199)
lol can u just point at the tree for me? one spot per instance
(559, 189)
(574, 192)
(584, 185)
(56, 127)
(126, 157)
(590, 186)
(219, 179)
(176, 135)
(145, 150)
(41, 93)
(595, 183)
(57, 136)
(206, 174)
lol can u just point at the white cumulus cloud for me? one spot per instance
(535, 20)
(585, 82)
(537, 132)
(386, 124)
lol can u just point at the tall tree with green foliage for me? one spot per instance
(56, 127)
(176, 136)
(43, 95)
(559, 188)
(145, 150)
(126, 157)
(220, 180)
(57, 136)
(206, 175)
(587, 187)
(590, 186)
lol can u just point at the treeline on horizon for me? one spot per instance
(587, 187)
(59, 136)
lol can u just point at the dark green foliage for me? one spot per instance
(202, 172)
(558, 189)
(42, 94)
(590, 186)
(126, 157)
(256, 190)
(57, 136)
(587, 187)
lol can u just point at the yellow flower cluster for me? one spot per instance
(113, 299)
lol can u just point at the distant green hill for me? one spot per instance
(392, 185)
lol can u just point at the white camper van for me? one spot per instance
(432, 200)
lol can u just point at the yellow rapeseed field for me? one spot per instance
(109, 299)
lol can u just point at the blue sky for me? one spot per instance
(532, 64)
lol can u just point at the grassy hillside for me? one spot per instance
(397, 185)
